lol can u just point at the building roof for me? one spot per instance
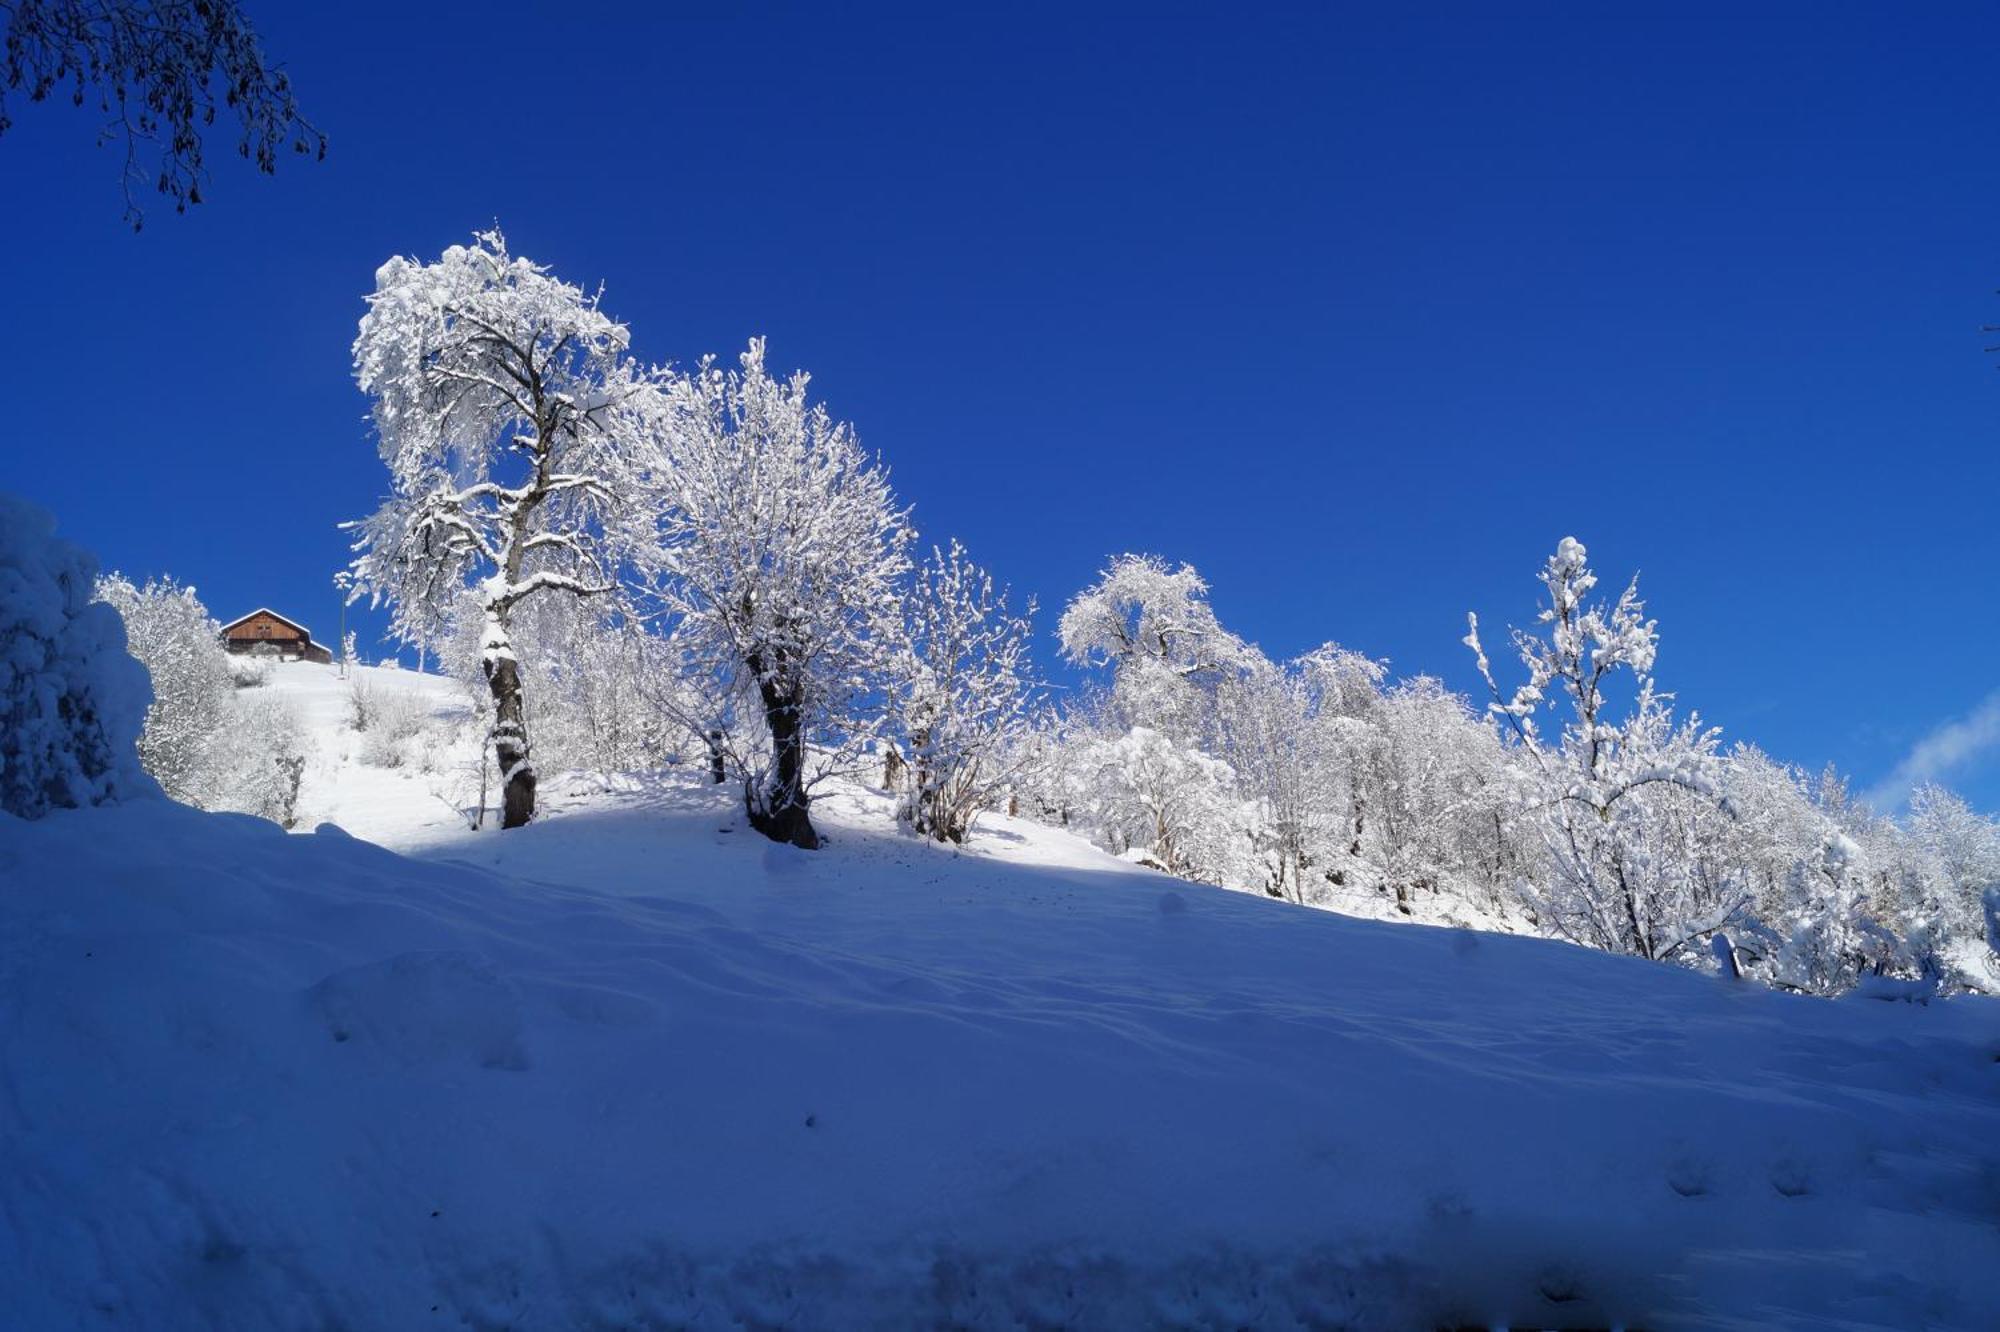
(265, 610)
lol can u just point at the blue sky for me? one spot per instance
(1357, 309)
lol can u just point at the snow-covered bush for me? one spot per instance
(396, 722)
(363, 701)
(259, 762)
(387, 720)
(247, 670)
(173, 636)
(72, 699)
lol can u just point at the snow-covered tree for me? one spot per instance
(1440, 794)
(203, 742)
(173, 636)
(776, 555)
(1282, 767)
(1168, 804)
(72, 700)
(963, 702)
(1830, 937)
(496, 390)
(1169, 656)
(1628, 805)
(1959, 851)
(1340, 694)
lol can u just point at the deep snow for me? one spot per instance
(634, 1067)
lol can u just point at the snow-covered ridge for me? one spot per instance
(634, 1066)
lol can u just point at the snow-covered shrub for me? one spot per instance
(258, 762)
(395, 720)
(173, 636)
(457, 766)
(363, 701)
(72, 699)
(248, 671)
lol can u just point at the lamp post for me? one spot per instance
(341, 582)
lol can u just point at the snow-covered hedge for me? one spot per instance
(72, 700)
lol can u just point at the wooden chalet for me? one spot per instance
(267, 630)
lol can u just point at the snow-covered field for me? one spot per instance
(635, 1067)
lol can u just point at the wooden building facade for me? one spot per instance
(266, 629)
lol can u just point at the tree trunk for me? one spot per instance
(716, 770)
(783, 817)
(510, 741)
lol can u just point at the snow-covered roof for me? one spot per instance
(266, 610)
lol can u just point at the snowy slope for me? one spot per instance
(339, 787)
(634, 1067)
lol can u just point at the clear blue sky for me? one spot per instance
(1358, 309)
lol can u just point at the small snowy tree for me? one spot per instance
(171, 633)
(963, 704)
(494, 386)
(1628, 806)
(72, 700)
(776, 553)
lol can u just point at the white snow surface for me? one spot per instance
(635, 1067)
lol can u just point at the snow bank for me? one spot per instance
(636, 1068)
(72, 701)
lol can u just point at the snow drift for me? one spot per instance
(639, 1069)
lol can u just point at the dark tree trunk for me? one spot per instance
(783, 817)
(716, 771)
(510, 742)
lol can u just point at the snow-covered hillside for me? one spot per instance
(636, 1067)
(345, 780)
